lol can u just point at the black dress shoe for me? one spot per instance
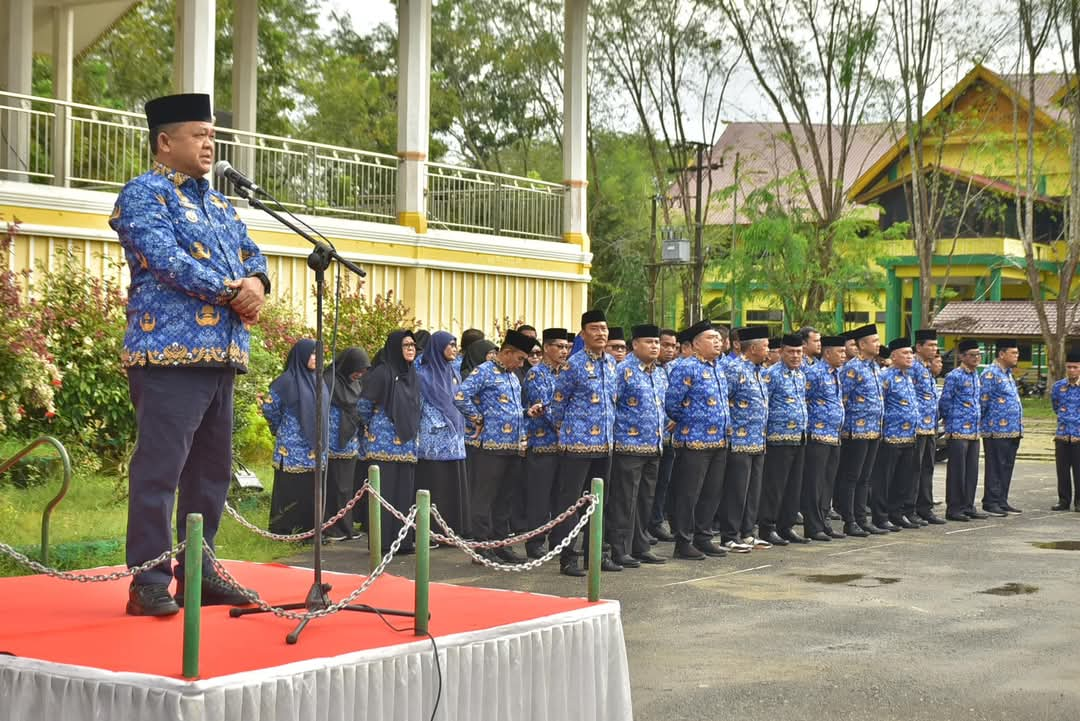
(1010, 509)
(834, 516)
(820, 536)
(889, 526)
(606, 564)
(774, 538)
(534, 552)
(962, 518)
(650, 557)
(570, 567)
(918, 520)
(854, 529)
(791, 536)
(979, 515)
(653, 540)
(688, 553)
(508, 555)
(933, 520)
(662, 534)
(1060, 507)
(875, 530)
(996, 512)
(833, 533)
(151, 599)
(710, 549)
(628, 562)
(904, 522)
(215, 592)
(486, 554)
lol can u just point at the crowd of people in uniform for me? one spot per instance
(717, 440)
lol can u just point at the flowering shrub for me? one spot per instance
(28, 376)
(365, 322)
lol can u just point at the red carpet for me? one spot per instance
(85, 624)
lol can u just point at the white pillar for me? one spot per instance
(63, 61)
(245, 79)
(18, 17)
(413, 110)
(195, 39)
(575, 118)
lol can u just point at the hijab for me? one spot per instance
(437, 380)
(345, 392)
(423, 339)
(476, 354)
(296, 388)
(393, 387)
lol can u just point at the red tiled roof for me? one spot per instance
(1005, 318)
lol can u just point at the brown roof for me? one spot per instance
(1003, 318)
(764, 156)
(1046, 87)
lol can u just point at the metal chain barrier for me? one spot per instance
(331, 609)
(297, 537)
(81, 577)
(469, 548)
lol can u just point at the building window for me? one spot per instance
(764, 316)
(858, 316)
(881, 317)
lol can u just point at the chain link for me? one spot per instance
(254, 599)
(81, 577)
(297, 537)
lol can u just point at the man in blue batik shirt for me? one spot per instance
(1065, 397)
(198, 282)
(785, 438)
(892, 480)
(959, 408)
(1002, 427)
(825, 415)
(920, 505)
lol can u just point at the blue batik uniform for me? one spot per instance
(1002, 414)
(351, 448)
(437, 440)
(926, 394)
(640, 420)
(863, 408)
(583, 405)
(543, 437)
(901, 407)
(959, 404)
(292, 452)
(381, 442)
(696, 399)
(786, 387)
(1065, 397)
(748, 406)
(183, 241)
(491, 398)
(824, 404)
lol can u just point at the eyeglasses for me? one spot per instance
(408, 345)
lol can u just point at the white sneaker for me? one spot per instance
(737, 547)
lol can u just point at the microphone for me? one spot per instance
(225, 171)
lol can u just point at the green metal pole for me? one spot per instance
(423, 559)
(596, 539)
(193, 555)
(374, 519)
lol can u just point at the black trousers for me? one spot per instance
(650, 473)
(492, 480)
(961, 476)
(857, 457)
(339, 491)
(819, 476)
(621, 520)
(922, 492)
(698, 480)
(1000, 455)
(893, 479)
(575, 476)
(1067, 460)
(185, 419)
(781, 489)
(541, 470)
(398, 483)
(661, 499)
(742, 469)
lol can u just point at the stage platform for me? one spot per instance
(506, 656)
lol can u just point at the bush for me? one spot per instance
(364, 322)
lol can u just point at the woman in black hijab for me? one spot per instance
(389, 407)
(343, 379)
(477, 353)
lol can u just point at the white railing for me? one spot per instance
(49, 141)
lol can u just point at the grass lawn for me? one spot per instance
(87, 528)
(1038, 408)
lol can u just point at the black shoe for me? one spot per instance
(1061, 507)
(905, 522)
(534, 552)
(508, 555)
(628, 562)
(834, 516)
(962, 518)
(875, 530)
(918, 520)
(774, 538)
(661, 534)
(854, 529)
(1010, 509)
(606, 564)
(333, 536)
(570, 567)
(485, 553)
(791, 536)
(687, 552)
(650, 557)
(820, 536)
(833, 533)
(653, 540)
(933, 520)
(978, 515)
(889, 526)
(151, 599)
(710, 549)
(799, 520)
(215, 592)
(995, 511)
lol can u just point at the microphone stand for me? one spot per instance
(319, 260)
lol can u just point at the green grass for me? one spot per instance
(1038, 408)
(87, 529)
